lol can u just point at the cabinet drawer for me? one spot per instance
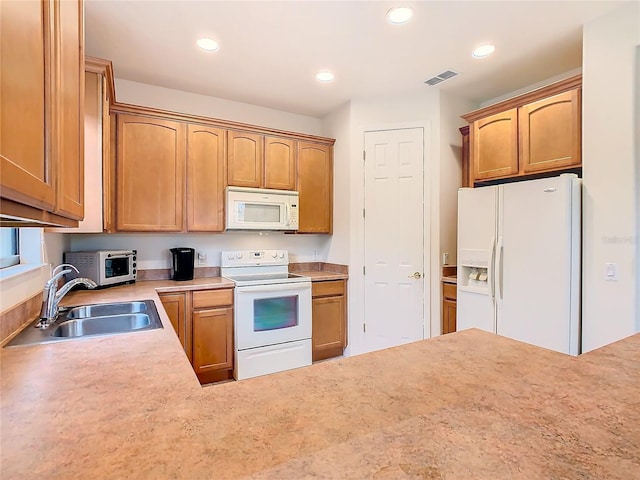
(449, 290)
(324, 289)
(212, 298)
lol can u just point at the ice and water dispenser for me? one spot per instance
(474, 269)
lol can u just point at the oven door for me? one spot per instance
(116, 269)
(272, 314)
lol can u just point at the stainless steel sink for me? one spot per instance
(102, 325)
(107, 309)
(93, 320)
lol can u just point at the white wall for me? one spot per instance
(153, 249)
(610, 163)
(533, 86)
(338, 125)
(451, 107)
(348, 125)
(192, 103)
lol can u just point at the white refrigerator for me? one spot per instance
(519, 261)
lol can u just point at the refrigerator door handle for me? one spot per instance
(491, 269)
(499, 266)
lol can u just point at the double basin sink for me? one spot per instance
(93, 320)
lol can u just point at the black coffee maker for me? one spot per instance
(182, 263)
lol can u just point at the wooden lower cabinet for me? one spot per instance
(329, 314)
(212, 342)
(175, 305)
(203, 321)
(448, 308)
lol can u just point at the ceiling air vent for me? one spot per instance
(441, 77)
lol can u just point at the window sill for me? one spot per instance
(16, 270)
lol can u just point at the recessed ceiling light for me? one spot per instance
(483, 51)
(399, 15)
(207, 44)
(324, 76)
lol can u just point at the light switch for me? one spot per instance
(611, 272)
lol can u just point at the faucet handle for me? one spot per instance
(61, 266)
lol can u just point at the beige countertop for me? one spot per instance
(322, 275)
(461, 406)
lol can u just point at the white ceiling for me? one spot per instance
(270, 50)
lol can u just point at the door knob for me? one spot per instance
(416, 275)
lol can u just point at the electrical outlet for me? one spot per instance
(315, 254)
(202, 258)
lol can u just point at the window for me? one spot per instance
(9, 247)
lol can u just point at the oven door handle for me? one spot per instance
(274, 288)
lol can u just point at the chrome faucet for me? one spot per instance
(52, 296)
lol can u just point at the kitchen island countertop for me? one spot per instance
(465, 405)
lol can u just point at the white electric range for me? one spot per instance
(272, 312)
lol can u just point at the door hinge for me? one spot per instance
(363, 272)
(363, 213)
(364, 155)
(364, 328)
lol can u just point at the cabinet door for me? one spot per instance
(550, 133)
(175, 305)
(315, 184)
(279, 163)
(205, 179)
(70, 98)
(150, 163)
(27, 168)
(494, 145)
(213, 340)
(244, 159)
(467, 180)
(329, 326)
(448, 316)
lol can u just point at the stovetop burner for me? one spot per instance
(258, 267)
(267, 278)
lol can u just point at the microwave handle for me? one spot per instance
(121, 255)
(287, 217)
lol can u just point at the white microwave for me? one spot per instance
(261, 209)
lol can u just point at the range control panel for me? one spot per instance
(244, 258)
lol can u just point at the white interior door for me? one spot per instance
(394, 238)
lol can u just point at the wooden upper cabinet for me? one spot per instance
(260, 161)
(205, 178)
(279, 163)
(26, 110)
(244, 159)
(494, 141)
(315, 185)
(150, 163)
(70, 55)
(550, 133)
(538, 132)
